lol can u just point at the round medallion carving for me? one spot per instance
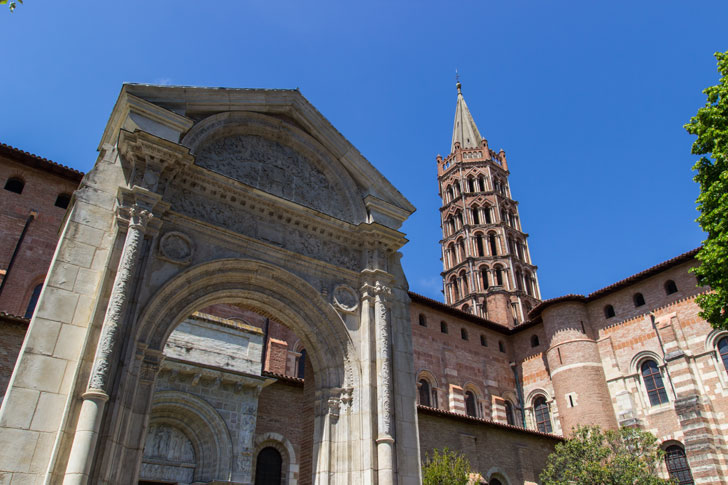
(346, 298)
(176, 247)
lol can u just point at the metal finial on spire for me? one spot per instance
(457, 80)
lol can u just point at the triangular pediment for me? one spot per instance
(186, 115)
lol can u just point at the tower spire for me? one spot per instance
(464, 130)
(487, 268)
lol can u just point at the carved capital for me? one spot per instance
(151, 162)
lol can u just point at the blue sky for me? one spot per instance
(587, 98)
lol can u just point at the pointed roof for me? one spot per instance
(464, 129)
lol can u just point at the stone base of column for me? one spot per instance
(385, 460)
(84, 441)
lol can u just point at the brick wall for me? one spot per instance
(12, 333)
(31, 264)
(494, 451)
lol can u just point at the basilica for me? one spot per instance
(220, 300)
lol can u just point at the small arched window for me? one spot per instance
(443, 327)
(484, 278)
(723, 351)
(455, 289)
(638, 299)
(470, 404)
(463, 333)
(424, 392)
(652, 379)
(609, 311)
(501, 346)
(534, 341)
(471, 184)
(479, 245)
(488, 217)
(677, 465)
(476, 215)
(542, 415)
(15, 184)
(33, 301)
(268, 466)
(483, 341)
(63, 200)
(509, 413)
(499, 276)
(493, 247)
(301, 367)
(670, 287)
(422, 320)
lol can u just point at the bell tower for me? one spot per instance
(487, 268)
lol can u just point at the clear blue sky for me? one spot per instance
(587, 98)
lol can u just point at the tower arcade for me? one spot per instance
(487, 268)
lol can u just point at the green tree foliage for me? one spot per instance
(11, 4)
(710, 125)
(445, 467)
(594, 457)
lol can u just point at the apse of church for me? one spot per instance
(487, 267)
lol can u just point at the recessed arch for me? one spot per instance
(265, 289)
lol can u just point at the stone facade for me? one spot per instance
(206, 308)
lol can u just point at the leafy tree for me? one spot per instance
(11, 4)
(710, 125)
(594, 457)
(445, 468)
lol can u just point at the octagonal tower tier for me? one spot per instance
(487, 268)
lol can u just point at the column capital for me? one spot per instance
(154, 161)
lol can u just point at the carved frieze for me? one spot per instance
(261, 225)
(274, 168)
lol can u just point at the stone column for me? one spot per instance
(385, 404)
(94, 399)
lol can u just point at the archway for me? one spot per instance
(267, 290)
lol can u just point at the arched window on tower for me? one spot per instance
(529, 284)
(268, 466)
(488, 216)
(464, 279)
(498, 276)
(450, 194)
(471, 404)
(492, 243)
(463, 254)
(457, 188)
(458, 220)
(503, 218)
(476, 215)
(455, 289)
(519, 280)
(471, 184)
(484, 278)
(542, 414)
(479, 247)
(481, 183)
(652, 378)
(677, 465)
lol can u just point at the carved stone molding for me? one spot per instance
(345, 298)
(176, 247)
